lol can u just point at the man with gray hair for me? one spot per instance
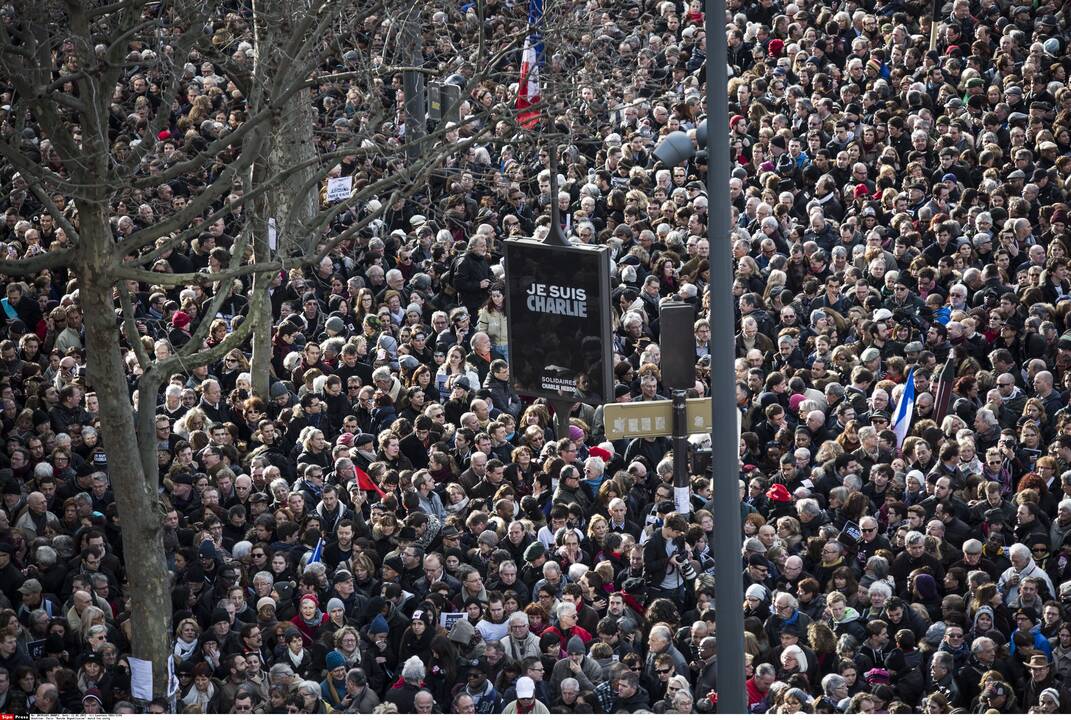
(972, 559)
(404, 695)
(758, 687)
(283, 674)
(786, 612)
(942, 679)
(520, 642)
(914, 557)
(1023, 566)
(983, 659)
(986, 430)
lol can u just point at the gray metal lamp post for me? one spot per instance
(725, 452)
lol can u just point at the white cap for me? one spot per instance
(525, 688)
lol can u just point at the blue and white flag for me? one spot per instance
(317, 552)
(905, 409)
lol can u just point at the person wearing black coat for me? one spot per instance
(472, 275)
(503, 395)
(630, 696)
(416, 640)
(403, 691)
(657, 562)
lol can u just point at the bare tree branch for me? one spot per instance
(37, 263)
(222, 293)
(130, 327)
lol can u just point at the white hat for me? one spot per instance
(525, 688)
(757, 591)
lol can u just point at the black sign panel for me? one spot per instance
(558, 306)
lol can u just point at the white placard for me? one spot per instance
(140, 678)
(683, 500)
(172, 679)
(339, 188)
(447, 619)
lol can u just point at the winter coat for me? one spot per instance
(403, 695)
(851, 623)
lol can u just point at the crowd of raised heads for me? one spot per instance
(394, 529)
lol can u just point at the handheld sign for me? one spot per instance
(339, 189)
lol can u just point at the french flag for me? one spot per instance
(528, 90)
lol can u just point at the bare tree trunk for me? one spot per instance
(260, 313)
(292, 204)
(295, 201)
(138, 501)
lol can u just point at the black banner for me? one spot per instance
(558, 306)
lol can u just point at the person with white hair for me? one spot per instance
(404, 695)
(1022, 567)
(1061, 526)
(310, 698)
(793, 660)
(785, 611)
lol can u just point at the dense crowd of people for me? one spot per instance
(394, 529)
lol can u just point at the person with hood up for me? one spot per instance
(843, 618)
(416, 640)
(577, 665)
(470, 646)
(984, 620)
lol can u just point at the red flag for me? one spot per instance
(942, 394)
(365, 482)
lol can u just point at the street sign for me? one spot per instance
(654, 419)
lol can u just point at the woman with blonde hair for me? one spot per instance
(195, 419)
(186, 636)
